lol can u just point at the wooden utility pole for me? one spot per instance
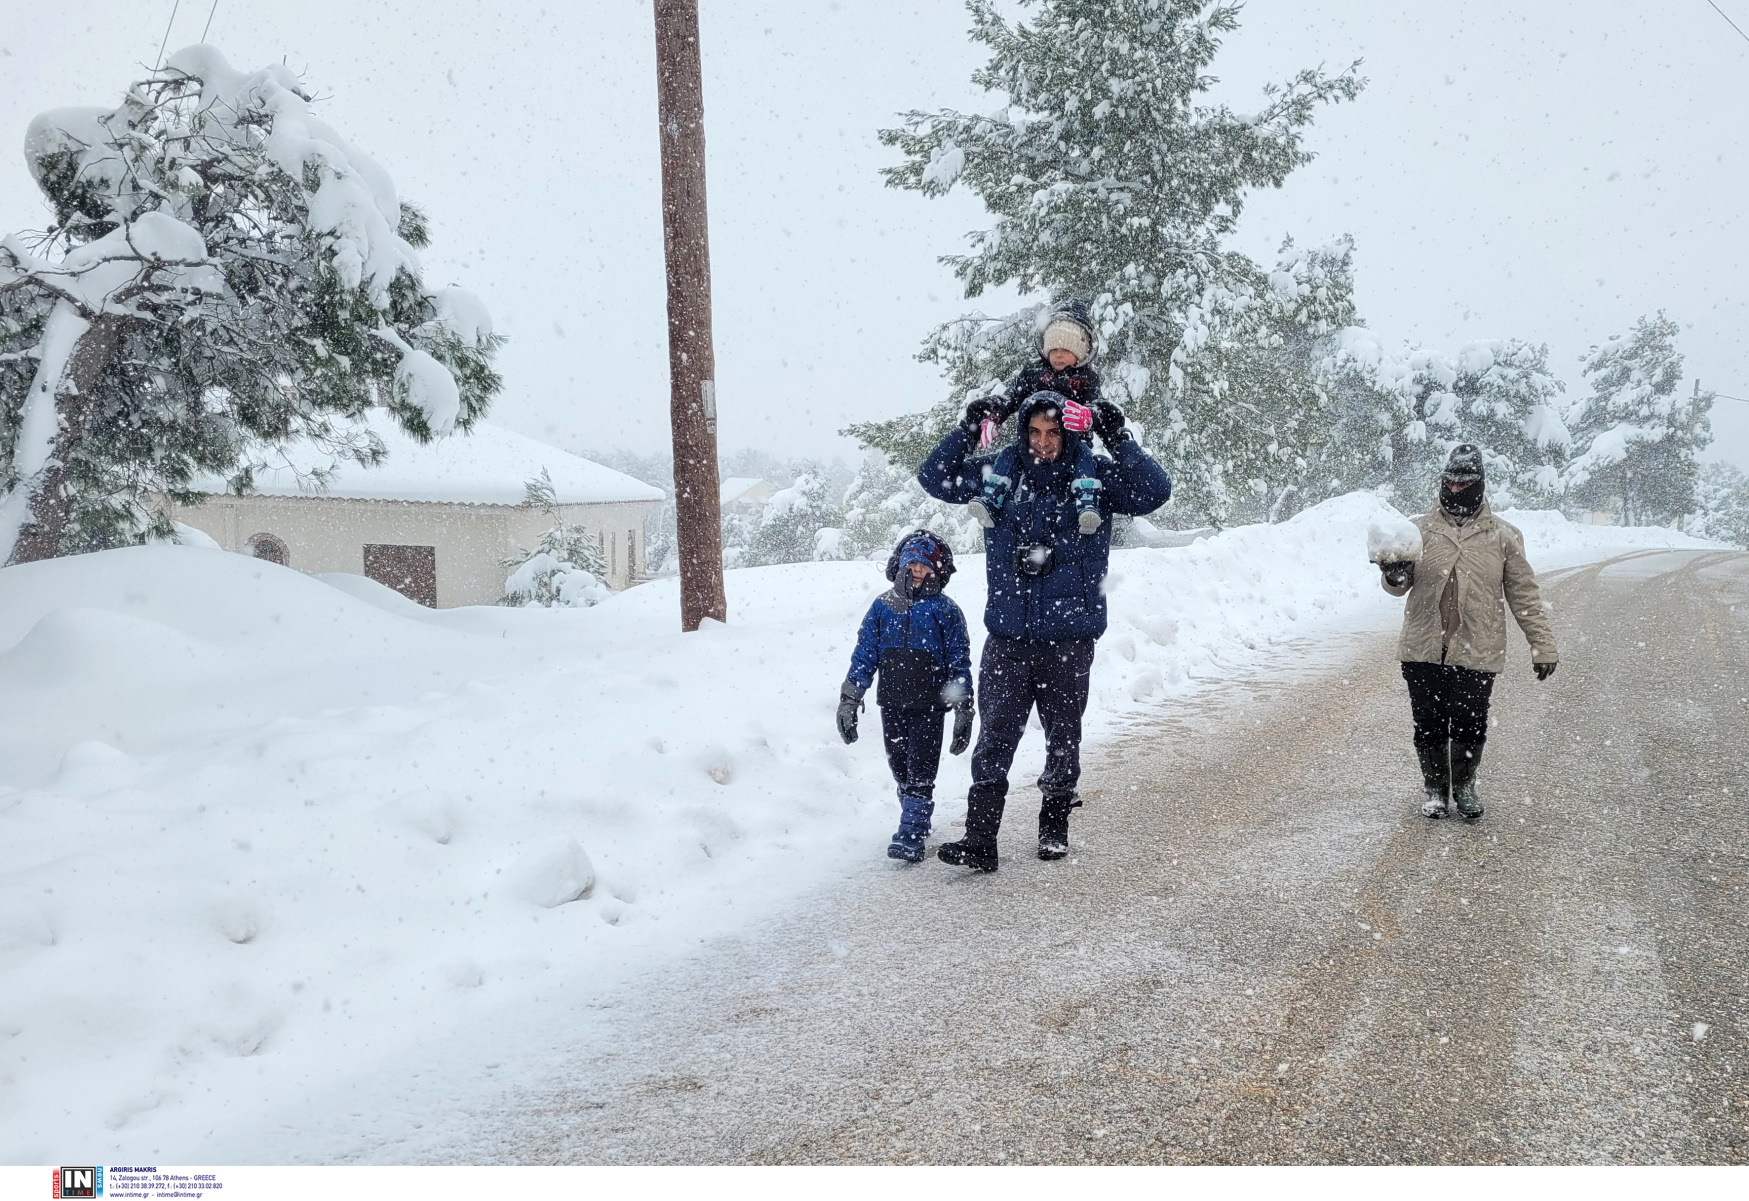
(692, 368)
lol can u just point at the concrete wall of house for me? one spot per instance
(325, 534)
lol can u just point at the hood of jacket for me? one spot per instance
(1070, 310)
(1042, 473)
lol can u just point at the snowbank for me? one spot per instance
(1551, 541)
(270, 836)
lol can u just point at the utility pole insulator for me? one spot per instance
(691, 357)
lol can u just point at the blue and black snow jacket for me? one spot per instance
(921, 650)
(1067, 602)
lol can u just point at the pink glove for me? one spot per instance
(1077, 419)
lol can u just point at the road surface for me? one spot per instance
(1260, 952)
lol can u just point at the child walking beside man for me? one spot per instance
(915, 639)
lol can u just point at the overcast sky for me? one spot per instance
(1548, 171)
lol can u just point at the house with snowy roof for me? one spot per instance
(744, 492)
(434, 521)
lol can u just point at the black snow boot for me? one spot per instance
(1466, 757)
(1053, 826)
(966, 853)
(1435, 777)
(978, 848)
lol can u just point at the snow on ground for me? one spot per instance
(269, 834)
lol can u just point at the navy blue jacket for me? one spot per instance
(1069, 602)
(932, 624)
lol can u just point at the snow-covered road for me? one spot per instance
(289, 857)
(1260, 952)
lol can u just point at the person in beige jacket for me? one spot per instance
(1454, 629)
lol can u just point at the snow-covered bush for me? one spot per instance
(564, 570)
(224, 274)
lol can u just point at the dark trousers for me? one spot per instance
(1448, 703)
(1014, 675)
(913, 738)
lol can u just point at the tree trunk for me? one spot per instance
(50, 501)
(691, 357)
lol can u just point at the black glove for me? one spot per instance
(1398, 575)
(1544, 670)
(962, 727)
(980, 410)
(849, 701)
(1108, 423)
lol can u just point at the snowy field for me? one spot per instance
(269, 836)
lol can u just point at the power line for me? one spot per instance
(1722, 396)
(209, 21)
(166, 40)
(1745, 37)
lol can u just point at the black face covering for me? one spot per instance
(1462, 502)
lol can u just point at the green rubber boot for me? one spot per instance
(1466, 757)
(1435, 778)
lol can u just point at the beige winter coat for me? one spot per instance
(1480, 561)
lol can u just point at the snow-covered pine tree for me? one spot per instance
(1111, 178)
(790, 524)
(1260, 425)
(885, 502)
(565, 568)
(224, 274)
(1639, 435)
(1721, 504)
(1510, 406)
(1410, 406)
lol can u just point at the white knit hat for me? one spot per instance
(1069, 336)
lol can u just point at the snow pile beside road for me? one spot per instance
(1550, 540)
(270, 836)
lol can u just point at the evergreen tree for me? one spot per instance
(1111, 178)
(885, 502)
(1639, 434)
(790, 525)
(224, 274)
(1408, 407)
(565, 568)
(1509, 405)
(1722, 504)
(1258, 427)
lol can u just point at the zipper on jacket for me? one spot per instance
(1444, 642)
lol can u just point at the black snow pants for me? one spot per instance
(913, 738)
(1014, 675)
(1448, 703)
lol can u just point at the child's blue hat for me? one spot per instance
(922, 546)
